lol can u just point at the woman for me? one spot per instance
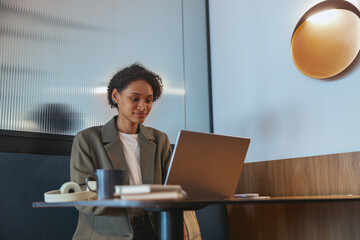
(124, 143)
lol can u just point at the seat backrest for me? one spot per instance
(24, 179)
(213, 222)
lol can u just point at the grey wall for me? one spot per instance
(260, 94)
(57, 58)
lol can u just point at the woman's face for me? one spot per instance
(134, 102)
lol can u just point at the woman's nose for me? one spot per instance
(142, 105)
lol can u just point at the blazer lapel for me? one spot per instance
(147, 154)
(113, 147)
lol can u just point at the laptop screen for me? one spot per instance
(207, 165)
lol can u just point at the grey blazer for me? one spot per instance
(100, 148)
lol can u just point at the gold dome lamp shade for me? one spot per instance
(326, 40)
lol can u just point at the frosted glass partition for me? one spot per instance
(58, 56)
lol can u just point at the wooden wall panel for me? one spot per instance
(305, 221)
(317, 175)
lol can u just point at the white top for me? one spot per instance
(130, 143)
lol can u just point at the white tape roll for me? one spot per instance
(69, 192)
(70, 187)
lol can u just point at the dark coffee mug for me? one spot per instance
(106, 180)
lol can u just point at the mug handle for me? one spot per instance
(91, 177)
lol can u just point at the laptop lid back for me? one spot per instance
(207, 165)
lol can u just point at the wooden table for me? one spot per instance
(172, 210)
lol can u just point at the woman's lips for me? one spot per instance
(142, 115)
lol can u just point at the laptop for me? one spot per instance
(207, 166)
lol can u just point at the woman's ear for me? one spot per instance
(114, 95)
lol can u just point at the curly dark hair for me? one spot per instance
(132, 73)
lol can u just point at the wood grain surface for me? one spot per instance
(335, 174)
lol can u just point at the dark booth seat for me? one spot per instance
(213, 223)
(26, 177)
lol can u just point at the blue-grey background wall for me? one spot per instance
(259, 93)
(54, 60)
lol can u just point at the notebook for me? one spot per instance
(207, 165)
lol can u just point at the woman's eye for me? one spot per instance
(134, 99)
(148, 100)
